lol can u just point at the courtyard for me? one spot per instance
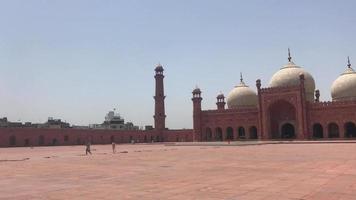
(288, 170)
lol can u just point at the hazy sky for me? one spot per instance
(76, 60)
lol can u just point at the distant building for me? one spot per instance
(55, 123)
(114, 121)
(5, 123)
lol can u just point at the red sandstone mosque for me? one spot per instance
(289, 108)
(286, 109)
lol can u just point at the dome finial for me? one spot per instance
(289, 57)
(348, 62)
(241, 79)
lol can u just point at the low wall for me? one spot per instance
(16, 137)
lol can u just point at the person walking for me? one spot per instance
(87, 150)
(113, 147)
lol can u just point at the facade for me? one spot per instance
(59, 133)
(288, 109)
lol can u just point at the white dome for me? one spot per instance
(241, 96)
(288, 75)
(344, 87)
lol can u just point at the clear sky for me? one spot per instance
(76, 60)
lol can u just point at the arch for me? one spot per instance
(209, 134)
(280, 113)
(350, 129)
(66, 138)
(242, 133)
(145, 139)
(157, 138)
(41, 140)
(218, 134)
(54, 141)
(229, 133)
(112, 139)
(78, 141)
(27, 142)
(253, 132)
(287, 131)
(333, 130)
(318, 130)
(12, 140)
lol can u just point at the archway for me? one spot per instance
(54, 141)
(241, 131)
(66, 138)
(350, 129)
(317, 131)
(333, 130)
(41, 140)
(229, 133)
(12, 140)
(218, 134)
(112, 139)
(281, 113)
(209, 134)
(287, 131)
(27, 142)
(253, 132)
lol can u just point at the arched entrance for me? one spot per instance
(282, 120)
(218, 134)
(317, 131)
(229, 133)
(209, 134)
(242, 134)
(287, 131)
(12, 140)
(41, 140)
(350, 129)
(253, 132)
(333, 130)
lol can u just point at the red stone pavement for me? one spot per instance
(272, 171)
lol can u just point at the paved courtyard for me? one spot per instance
(271, 171)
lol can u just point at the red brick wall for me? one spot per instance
(80, 136)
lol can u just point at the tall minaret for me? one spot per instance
(160, 116)
(197, 136)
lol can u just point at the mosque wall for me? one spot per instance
(180, 135)
(67, 136)
(335, 119)
(230, 124)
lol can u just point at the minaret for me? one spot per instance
(220, 101)
(160, 116)
(197, 114)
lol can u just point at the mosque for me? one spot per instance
(289, 108)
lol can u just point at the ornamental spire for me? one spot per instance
(241, 79)
(289, 57)
(348, 62)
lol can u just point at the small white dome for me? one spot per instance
(344, 87)
(288, 75)
(241, 96)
